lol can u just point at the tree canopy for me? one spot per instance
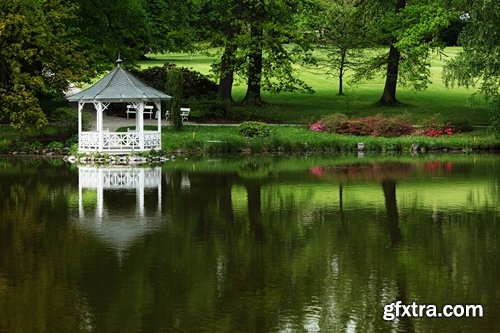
(40, 53)
(45, 45)
(478, 63)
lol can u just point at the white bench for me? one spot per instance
(147, 109)
(184, 114)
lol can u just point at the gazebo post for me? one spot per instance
(80, 108)
(158, 107)
(140, 129)
(98, 107)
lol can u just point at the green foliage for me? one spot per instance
(114, 28)
(334, 123)
(254, 129)
(460, 125)
(342, 29)
(55, 145)
(257, 32)
(495, 116)
(173, 87)
(412, 31)
(40, 53)
(172, 25)
(436, 122)
(478, 63)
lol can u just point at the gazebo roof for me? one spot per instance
(118, 85)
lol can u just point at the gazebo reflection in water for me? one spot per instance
(106, 206)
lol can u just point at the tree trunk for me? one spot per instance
(254, 209)
(343, 54)
(391, 80)
(227, 76)
(391, 207)
(255, 66)
(226, 201)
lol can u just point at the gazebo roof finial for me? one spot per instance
(119, 60)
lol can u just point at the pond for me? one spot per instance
(251, 244)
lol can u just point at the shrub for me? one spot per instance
(335, 123)
(55, 145)
(374, 125)
(317, 127)
(433, 122)
(388, 127)
(460, 125)
(195, 84)
(253, 129)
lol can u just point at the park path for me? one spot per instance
(113, 123)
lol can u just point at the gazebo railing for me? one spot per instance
(119, 141)
(119, 177)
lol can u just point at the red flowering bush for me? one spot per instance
(433, 132)
(374, 125)
(436, 132)
(434, 127)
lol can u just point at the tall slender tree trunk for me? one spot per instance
(343, 55)
(391, 207)
(255, 209)
(391, 79)
(227, 77)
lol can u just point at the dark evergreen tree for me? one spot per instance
(173, 87)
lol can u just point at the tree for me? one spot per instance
(342, 31)
(409, 29)
(40, 53)
(223, 27)
(172, 25)
(253, 35)
(478, 63)
(269, 62)
(174, 88)
(114, 28)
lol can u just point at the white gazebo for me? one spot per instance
(119, 86)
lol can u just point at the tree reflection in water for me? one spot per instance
(254, 247)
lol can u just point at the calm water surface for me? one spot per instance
(249, 244)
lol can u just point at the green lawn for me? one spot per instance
(359, 100)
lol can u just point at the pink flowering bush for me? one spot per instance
(374, 125)
(317, 127)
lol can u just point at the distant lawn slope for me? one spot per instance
(359, 100)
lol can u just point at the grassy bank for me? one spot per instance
(299, 139)
(359, 99)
